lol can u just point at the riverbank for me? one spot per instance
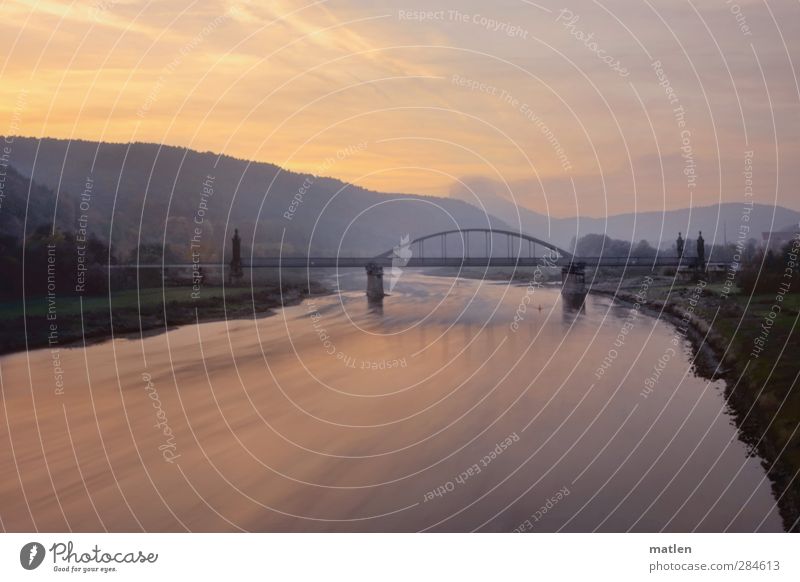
(217, 385)
(760, 373)
(72, 320)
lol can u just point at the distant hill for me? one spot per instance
(717, 222)
(16, 205)
(147, 193)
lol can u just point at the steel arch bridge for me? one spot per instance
(523, 247)
(435, 250)
(475, 247)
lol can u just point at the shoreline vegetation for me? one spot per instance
(146, 311)
(723, 328)
(63, 288)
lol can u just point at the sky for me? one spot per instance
(589, 107)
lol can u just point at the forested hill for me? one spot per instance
(145, 193)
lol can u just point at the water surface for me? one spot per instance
(433, 411)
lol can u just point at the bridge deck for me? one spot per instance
(419, 262)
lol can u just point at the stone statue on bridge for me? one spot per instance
(679, 246)
(701, 251)
(236, 261)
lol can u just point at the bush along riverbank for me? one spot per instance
(68, 321)
(750, 341)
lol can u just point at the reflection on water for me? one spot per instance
(375, 307)
(452, 405)
(573, 303)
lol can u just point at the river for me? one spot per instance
(456, 405)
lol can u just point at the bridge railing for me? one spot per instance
(422, 262)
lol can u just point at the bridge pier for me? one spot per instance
(573, 284)
(374, 282)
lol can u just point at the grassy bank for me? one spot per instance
(131, 311)
(761, 385)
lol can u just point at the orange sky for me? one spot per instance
(508, 93)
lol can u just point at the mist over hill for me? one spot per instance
(717, 222)
(137, 193)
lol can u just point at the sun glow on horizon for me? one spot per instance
(509, 94)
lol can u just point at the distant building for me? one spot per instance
(777, 239)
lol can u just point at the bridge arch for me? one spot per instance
(487, 232)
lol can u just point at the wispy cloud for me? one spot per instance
(286, 82)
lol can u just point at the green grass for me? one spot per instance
(129, 299)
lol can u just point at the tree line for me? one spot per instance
(758, 270)
(52, 260)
